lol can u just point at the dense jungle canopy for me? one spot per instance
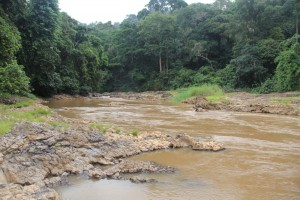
(244, 44)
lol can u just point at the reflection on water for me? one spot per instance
(262, 160)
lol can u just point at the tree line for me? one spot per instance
(242, 44)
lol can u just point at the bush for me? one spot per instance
(13, 80)
(70, 85)
(266, 87)
(85, 90)
(287, 74)
(181, 77)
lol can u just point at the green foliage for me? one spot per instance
(10, 41)
(5, 126)
(158, 32)
(21, 104)
(211, 92)
(9, 117)
(266, 87)
(70, 85)
(117, 129)
(133, 133)
(165, 6)
(181, 78)
(287, 75)
(32, 116)
(103, 128)
(40, 46)
(247, 66)
(167, 45)
(13, 80)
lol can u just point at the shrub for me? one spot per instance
(13, 80)
(85, 90)
(133, 133)
(103, 128)
(266, 87)
(287, 74)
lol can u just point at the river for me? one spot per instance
(262, 159)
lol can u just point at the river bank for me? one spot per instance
(274, 103)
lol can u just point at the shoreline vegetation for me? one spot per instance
(166, 46)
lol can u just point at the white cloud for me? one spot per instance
(88, 11)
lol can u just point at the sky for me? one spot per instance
(88, 11)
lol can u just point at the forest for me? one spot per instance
(250, 45)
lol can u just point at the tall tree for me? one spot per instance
(158, 32)
(165, 6)
(40, 46)
(12, 76)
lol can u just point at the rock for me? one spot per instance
(130, 166)
(38, 154)
(1, 158)
(55, 181)
(136, 179)
(95, 137)
(30, 192)
(101, 161)
(96, 173)
(210, 146)
(18, 173)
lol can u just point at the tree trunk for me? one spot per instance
(160, 62)
(167, 64)
(297, 26)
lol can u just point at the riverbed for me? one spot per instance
(262, 159)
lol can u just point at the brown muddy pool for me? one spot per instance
(262, 159)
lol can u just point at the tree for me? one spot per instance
(10, 42)
(13, 79)
(249, 71)
(165, 6)
(15, 10)
(40, 46)
(158, 32)
(287, 75)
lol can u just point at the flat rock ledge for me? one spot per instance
(36, 157)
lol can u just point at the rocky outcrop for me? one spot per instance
(246, 102)
(137, 179)
(208, 146)
(28, 192)
(35, 155)
(129, 166)
(262, 108)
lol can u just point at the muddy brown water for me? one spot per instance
(262, 159)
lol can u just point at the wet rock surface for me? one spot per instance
(35, 157)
